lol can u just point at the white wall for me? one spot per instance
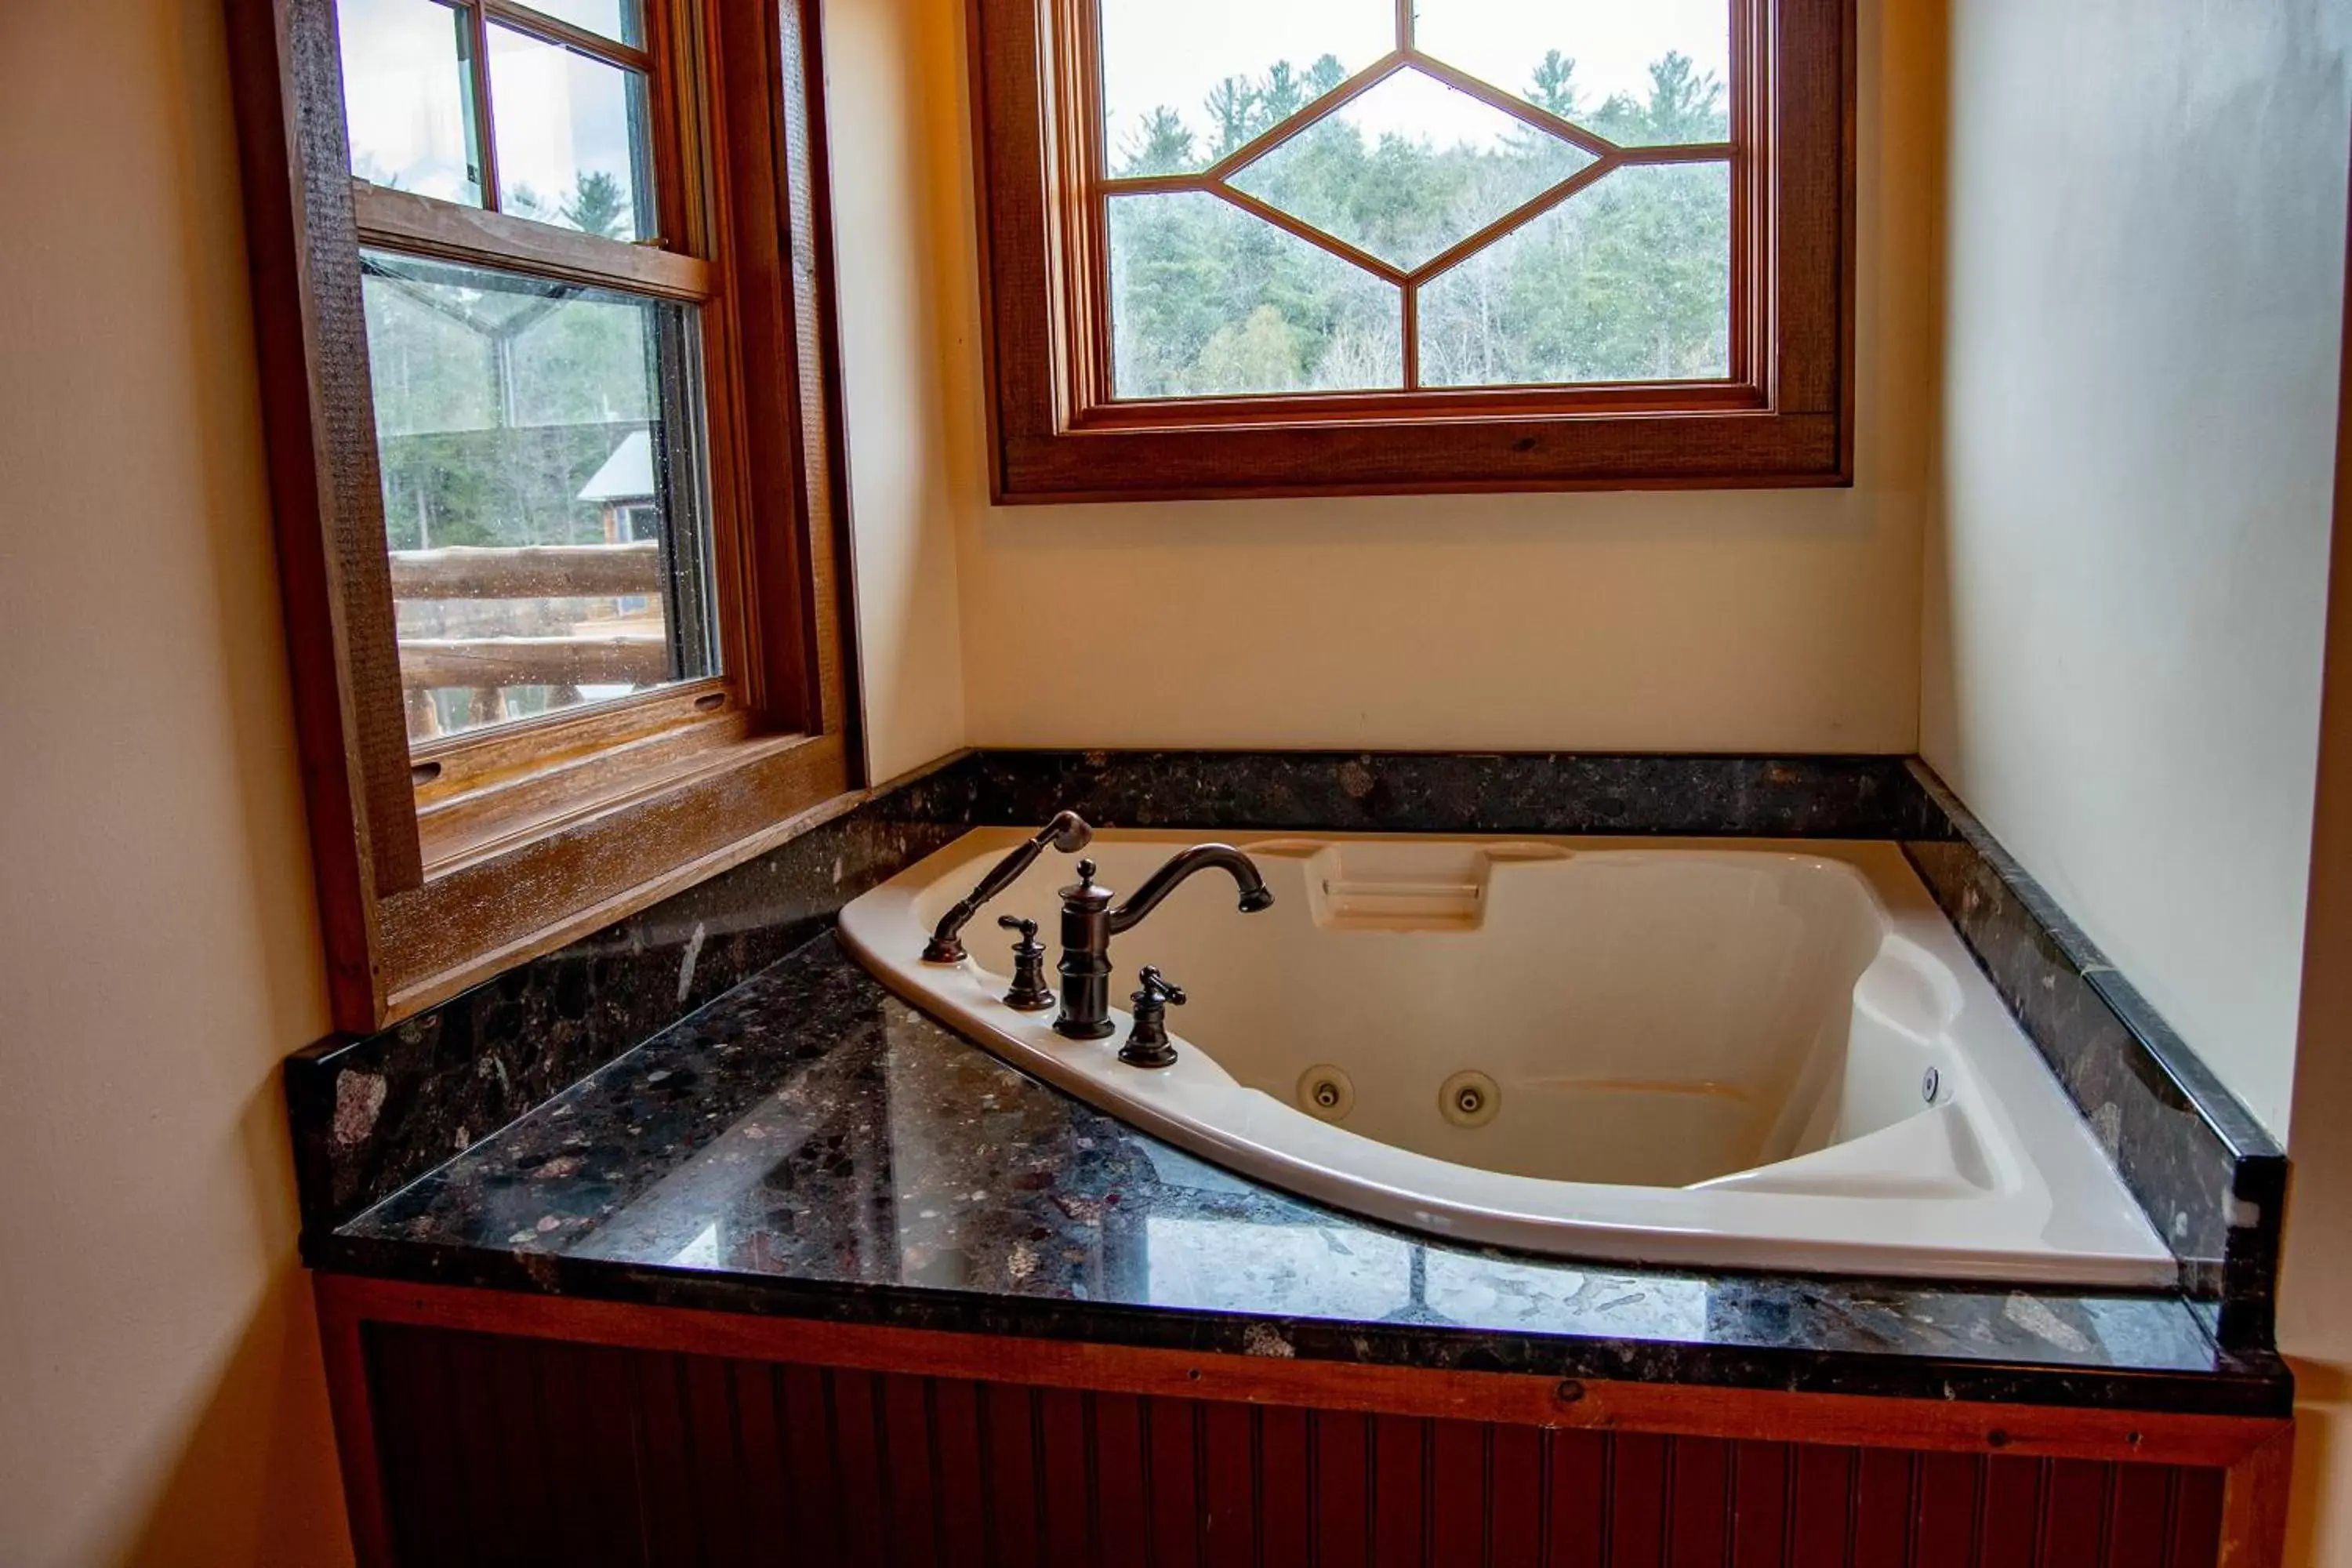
(1706, 621)
(160, 1398)
(2125, 596)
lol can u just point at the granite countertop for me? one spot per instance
(809, 1145)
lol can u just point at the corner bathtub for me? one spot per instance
(1744, 1054)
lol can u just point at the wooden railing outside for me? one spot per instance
(504, 651)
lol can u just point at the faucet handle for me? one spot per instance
(1158, 989)
(1030, 994)
(1146, 1044)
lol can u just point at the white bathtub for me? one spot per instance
(1681, 1051)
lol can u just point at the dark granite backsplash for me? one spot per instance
(2213, 1182)
(1425, 791)
(372, 1115)
(375, 1115)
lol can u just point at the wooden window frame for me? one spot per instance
(1784, 418)
(439, 865)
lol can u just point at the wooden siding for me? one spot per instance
(520, 1451)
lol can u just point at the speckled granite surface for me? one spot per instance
(809, 1145)
(1431, 792)
(2211, 1180)
(372, 1115)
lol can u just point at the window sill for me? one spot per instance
(523, 888)
(1714, 450)
(518, 785)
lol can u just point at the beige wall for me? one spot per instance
(2127, 581)
(1705, 621)
(886, 124)
(160, 1393)
(2315, 1317)
(156, 951)
(2123, 615)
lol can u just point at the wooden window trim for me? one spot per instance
(423, 226)
(440, 865)
(1785, 419)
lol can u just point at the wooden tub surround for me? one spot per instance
(482, 1426)
(806, 1277)
(791, 1273)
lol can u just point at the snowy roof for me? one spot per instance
(628, 474)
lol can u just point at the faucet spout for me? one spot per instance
(1088, 922)
(1178, 871)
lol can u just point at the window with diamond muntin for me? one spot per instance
(1466, 193)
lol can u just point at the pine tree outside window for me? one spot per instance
(1373, 245)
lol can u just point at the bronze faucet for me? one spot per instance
(1088, 922)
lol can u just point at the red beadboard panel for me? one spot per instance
(1396, 1477)
(1634, 1499)
(1822, 1506)
(1063, 1462)
(1578, 1536)
(1698, 1495)
(2197, 1527)
(803, 1393)
(2009, 1528)
(1121, 1503)
(1227, 1502)
(518, 1452)
(1459, 1496)
(1949, 1499)
(1760, 1479)
(1342, 1475)
(1885, 1502)
(962, 1491)
(1170, 1451)
(2074, 1512)
(1286, 1497)
(1514, 1528)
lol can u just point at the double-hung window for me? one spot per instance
(542, 438)
(1376, 245)
(541, 290)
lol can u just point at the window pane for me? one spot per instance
(543, 485)
(620, 19)
(1640, 72)
(1209, 301)
(1409, 168)
(408, 97)
(1184, 85)
(1628, 280)
(572, 133)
